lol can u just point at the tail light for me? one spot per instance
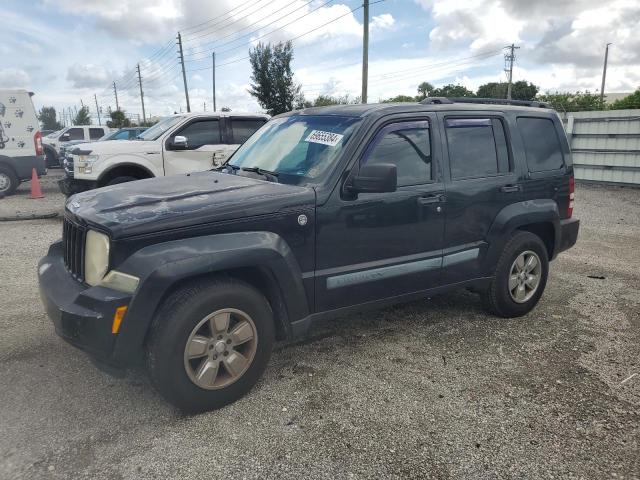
(572, 194)
(37, 141)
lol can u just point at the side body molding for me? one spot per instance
(514, 216)
(165, 265)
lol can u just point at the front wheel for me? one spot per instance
(210, 343)
(520, 278)
(9, 181)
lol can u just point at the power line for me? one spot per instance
(289, 40)
(207, 49)
(215, 18)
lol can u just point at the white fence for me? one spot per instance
(605, 145)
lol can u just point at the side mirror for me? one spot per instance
(375, 178)
(179, 143)
(65, 137)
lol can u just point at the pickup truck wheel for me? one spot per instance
(50, 159)
(123, 179)
(209, 344)
(9, 182)
(520, 278)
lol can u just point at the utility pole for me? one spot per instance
(184, 74)
(604, 74)
(365, 52)
(115, 92)
(509, 58)
(213, 62)
(97, 109)
(144, 115)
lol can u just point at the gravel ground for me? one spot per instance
(431, 389)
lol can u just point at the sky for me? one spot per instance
(67, 51)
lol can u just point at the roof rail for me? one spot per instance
(436, 100)
(487, 101)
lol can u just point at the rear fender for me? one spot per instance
(511, 218)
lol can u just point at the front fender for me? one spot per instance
(163, 266)
(514, 216)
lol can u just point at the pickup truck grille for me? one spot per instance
(73, 237)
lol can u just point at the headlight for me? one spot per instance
(85, 163)
(96, 257)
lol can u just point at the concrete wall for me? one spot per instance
(605, 145)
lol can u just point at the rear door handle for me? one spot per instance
(430, 199)
(510, 188)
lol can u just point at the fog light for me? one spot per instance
(117, 319)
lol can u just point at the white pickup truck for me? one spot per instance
(53, 142)
(180, 143)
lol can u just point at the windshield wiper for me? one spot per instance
(271, 176)
(226, 166)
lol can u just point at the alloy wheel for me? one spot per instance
(524, 276)
(220, 348)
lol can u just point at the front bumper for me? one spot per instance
(568, 234)
(70, 186)
(81, 315)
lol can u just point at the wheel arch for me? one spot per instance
(540, 217)
(261, 259)
(127, 169)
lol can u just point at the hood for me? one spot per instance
(109, 147)
(178, 201)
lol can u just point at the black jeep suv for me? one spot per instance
(321, 212)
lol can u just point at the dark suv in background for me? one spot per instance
(322, 212)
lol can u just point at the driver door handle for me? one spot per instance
(430, 199)
(510, 188)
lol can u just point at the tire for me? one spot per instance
(173, 374)
(9, 181)
(50, 159)
(123, 179)
(510, 293)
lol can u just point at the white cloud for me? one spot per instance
(88, 75)
(382, 22)
(14, 78)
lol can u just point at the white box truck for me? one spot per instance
(20, 140)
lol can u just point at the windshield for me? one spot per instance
(108, 136)
(56, 134)
(299, 148)
(159, 128)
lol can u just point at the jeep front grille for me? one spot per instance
(73, 237)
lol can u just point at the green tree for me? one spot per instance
(47, 117)
(272, 78)
(118, 119)
(325, 100)
(520, 90)
(400, 99)
(82, 117)
(573, 101)
(630, 101)
(452, 90)
(425, 89)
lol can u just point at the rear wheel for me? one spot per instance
(9, 181)
(209, 344)
(50, 159)
(520, 278)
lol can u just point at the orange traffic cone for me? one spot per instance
(35, 185)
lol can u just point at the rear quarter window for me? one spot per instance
(541, 144)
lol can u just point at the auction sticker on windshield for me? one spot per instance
(325, 138)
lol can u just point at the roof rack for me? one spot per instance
(487, 101)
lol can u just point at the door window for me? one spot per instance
(408, 147)
(541, 144)
(243, 128)
(477, 147)
(96, 133)
(204, 132)
(76, 133)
